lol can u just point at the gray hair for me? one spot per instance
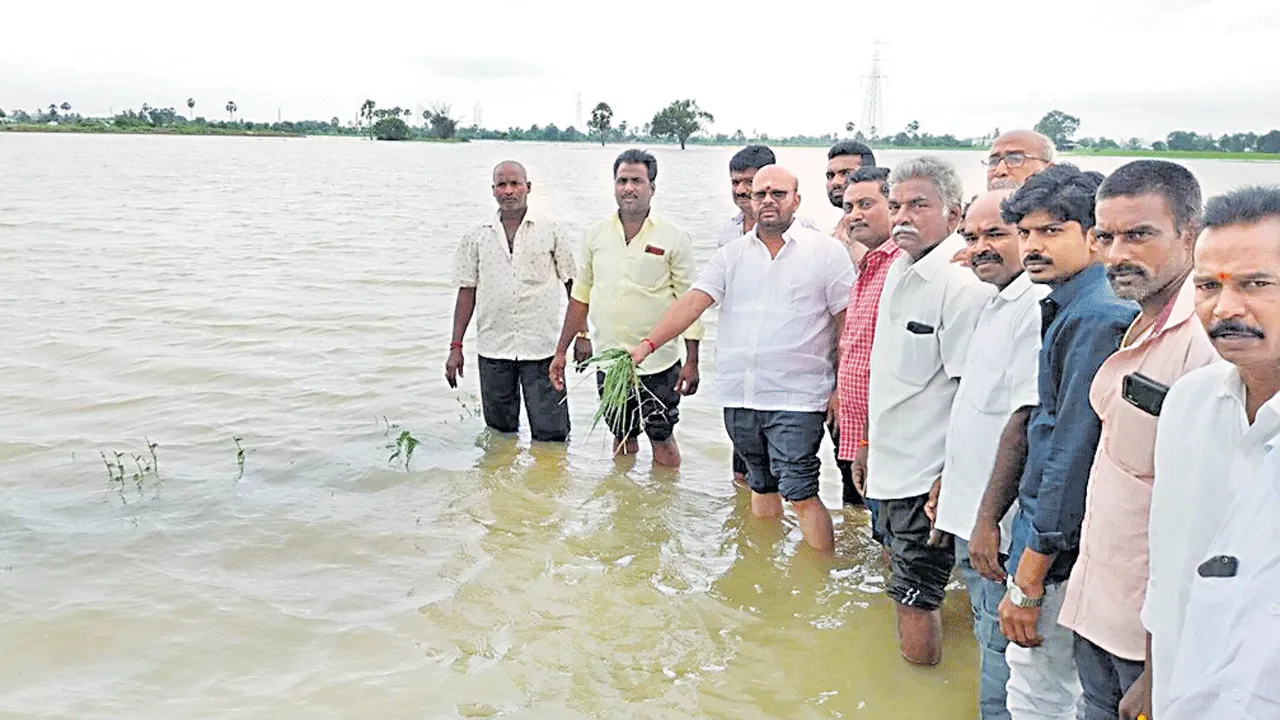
(1050, 150)
(1243, 206)
(941, 173)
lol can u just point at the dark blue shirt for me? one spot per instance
(1082, 323)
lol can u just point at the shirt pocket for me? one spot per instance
(534, 264)
(917, 358)
(649, 271)
(1207, 623)
(988, 387)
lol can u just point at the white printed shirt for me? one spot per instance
(519, 293)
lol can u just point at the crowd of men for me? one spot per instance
(1064, 389)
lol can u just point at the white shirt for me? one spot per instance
(1228, 657)
(1000, 376)
(776, 343)
(1206, 453)
(732, 229)
(915, 375)
(518, 294)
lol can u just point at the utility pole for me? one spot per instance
(577, 116)
(477, 115)
(872, 106)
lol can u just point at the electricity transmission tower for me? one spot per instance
(477, 115)
(872, 107)
(577, 115)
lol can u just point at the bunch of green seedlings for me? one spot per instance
(621, 385)
(403, 447)
(118, 475)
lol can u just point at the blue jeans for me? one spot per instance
(984, 600)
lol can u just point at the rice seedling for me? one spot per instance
(621, 385)
(240, 455)
(403, 448)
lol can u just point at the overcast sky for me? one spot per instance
(1125, 67)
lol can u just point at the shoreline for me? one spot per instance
(196, 130)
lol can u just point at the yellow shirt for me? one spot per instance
(630, 285)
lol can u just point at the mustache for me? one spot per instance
(1126, 270)
(1231, 326)
(905, 228)
(986, 256)
(1036, 257)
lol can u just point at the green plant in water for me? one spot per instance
(621, 384)
(240, 453)
(403, 448)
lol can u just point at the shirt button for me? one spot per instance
(1274, 609)
(1237, 695)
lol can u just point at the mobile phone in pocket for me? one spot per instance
(1144, 393)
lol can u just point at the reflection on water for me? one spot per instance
(294, 293)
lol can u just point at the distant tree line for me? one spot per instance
(682, 122)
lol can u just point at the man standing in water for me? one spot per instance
(866, 216)
(926, 318)
(999, 382)
(1211, 607)
(509, 271)
(782, 291)
(743, 167)
(634, 265)
(1148, 219)
(1082, 323)
(843, 160)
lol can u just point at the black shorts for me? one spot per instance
(659, 403)
(920, 572)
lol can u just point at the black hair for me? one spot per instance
(751, 157)
(1171, 181)
(639, 157)
(1243, 206)
(871, 173)
(853, 147)
(1063, 191)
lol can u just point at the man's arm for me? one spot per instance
(1136, 702)
(683, 312)
(463, 308)
(1072, 446)
(575, 316)
(1002, 490)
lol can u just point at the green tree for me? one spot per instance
(1134, 144)
(66, 108)
(1238, 142)
(366, 114)
(390, 128)
(680, 120)
(849, 126)
(1058, 126)
(1269, 143)
(231, 110)
(191, 106)
(913, 127)
(2, 115)
(601, 120)
(443, 125)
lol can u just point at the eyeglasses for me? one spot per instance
(1015, 159)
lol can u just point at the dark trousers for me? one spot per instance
(1104, 678)
(501, 384)
(850, 493)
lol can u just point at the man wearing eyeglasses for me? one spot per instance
(1016, 156)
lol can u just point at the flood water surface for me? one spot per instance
(271, 314)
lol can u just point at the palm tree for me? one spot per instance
(66, 107)
(848, 127)
(191, 106)
(53, 110)
(231, 110)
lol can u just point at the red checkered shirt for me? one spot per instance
(854, 379)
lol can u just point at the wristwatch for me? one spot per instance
(1019, 598)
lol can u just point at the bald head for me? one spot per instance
(510, 166)
(511, 189)
(775, 197)
(993, 243)
(1016, 156)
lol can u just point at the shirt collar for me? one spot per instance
(884, 254)
(1079, 284)
(1017, 288)
(938, 258)
(495, 220)
(650, 220)
(1184, 307)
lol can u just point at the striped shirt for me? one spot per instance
(854, 378)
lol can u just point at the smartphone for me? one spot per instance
(1144, 393)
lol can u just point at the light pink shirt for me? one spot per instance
(1108, 583)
